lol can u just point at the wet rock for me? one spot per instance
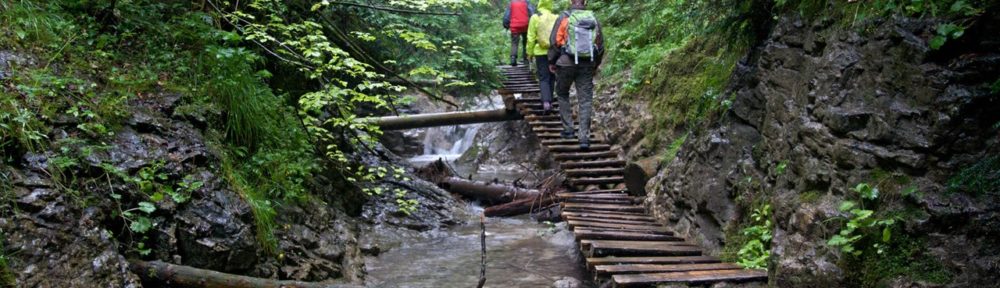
(834, 108)
(567, 282)
(216, 233)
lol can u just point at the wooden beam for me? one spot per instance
(442, 119)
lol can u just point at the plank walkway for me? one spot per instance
(619, 239)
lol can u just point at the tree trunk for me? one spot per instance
(486, 192)
(184, 276)
(442, 119)
(519, 207)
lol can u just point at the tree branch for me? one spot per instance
(396, 10)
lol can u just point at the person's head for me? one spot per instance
(578, 2)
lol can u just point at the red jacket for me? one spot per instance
(517, 16)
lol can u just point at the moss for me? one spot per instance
(734, 241)
(980, 179)
(810, 197)
(671, 152)
(905, 256)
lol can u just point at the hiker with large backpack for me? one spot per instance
(539, 32)
(576, 52)
(516, 19)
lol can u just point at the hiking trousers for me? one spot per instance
(518, 40)
(546, 80)
(583, 77)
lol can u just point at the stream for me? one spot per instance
(521, 252)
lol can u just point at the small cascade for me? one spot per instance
(450, 142)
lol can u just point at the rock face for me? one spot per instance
(57, 237)
(819, 109)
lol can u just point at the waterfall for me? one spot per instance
(450, 142)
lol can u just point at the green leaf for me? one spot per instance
(141, 225)
(886, 234)
(147, 207)
(937, 42)
(847, 206)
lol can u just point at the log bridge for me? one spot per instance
(621, 242)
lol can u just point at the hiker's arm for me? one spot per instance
(553, 45)
(506, 18)
(532, 26)
(600, 44)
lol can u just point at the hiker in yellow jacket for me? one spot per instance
(539, 32)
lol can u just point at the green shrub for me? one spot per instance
(979, 179)
(755, 252)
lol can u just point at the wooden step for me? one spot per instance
(551, 136)
(601, 200)
(549, 130)
(559, 141)
(576, 148)
(592, 164)
(550, 117)
(600, 248)
(584, 155)
(610, 221)
(609, 215)
(689, 277)
(593, 262)
(583, 233)
(608, 191)
(602, 207)
(612, 194)
(596, 180)
(594, 172)
(609, 226)
(525, 90)
(661, 268)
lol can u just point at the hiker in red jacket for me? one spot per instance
(516, 19)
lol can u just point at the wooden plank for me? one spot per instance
(620, 226)
(596, 180)
(584, 155)
(600, 200)
(609, 215)
(602, 207)
(599, 248)
(661, 268)
(593, 262)
(598, 195)
(593, 164)
(689, 277)
(610, 221)
(549, 136)
(588, 234)
(594, 171)
(599, 192)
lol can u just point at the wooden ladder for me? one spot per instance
(615, 233)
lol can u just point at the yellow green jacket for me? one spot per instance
(545, 19)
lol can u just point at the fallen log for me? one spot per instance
(490, 193)
(519, 207)
(185, 276)
(441, 119)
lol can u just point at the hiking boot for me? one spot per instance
(513, 61)
(546, 107)
(568, 135)
(585, 145)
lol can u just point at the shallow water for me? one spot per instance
(520, 253)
